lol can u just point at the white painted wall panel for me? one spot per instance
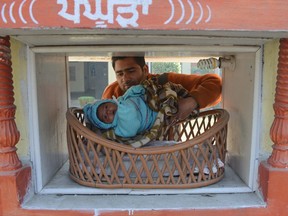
(238, 99)
(52, 106)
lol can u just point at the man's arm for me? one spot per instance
(187, 105)
(205, 89)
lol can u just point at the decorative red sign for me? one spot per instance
(145, 14)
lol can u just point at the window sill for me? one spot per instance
(62, 184)
(140, 202)
(59, 194)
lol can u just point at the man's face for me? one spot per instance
(129, 73)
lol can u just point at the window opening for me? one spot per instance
(72, 74)
(244, 116)
(88, 79)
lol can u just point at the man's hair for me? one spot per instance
(140, 60)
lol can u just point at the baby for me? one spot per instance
(128, 116)
(136, 111)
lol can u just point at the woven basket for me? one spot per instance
(196, 160)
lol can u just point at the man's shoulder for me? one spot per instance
(112, 89)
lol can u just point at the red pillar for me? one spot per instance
(9, 135)
(279, 128)
(14, 178)
(274, 174)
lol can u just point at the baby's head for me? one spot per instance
(101, 113)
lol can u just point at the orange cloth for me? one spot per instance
(206, 89)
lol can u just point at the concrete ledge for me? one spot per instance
(62, 184)
(144, 202)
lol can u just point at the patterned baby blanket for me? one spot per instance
(162, 97)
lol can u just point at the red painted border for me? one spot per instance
(269, 15)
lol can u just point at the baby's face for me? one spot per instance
(106, 112)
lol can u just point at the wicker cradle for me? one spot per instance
(196, 160)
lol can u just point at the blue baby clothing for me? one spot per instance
(133, 115)
(90, 111)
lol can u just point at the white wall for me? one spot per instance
(51, 81)
(186, 68)
(111, 73)
(242, 99)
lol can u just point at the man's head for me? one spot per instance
(130, 70)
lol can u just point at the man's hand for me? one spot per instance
(185, 107)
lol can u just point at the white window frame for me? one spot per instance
(217, 50)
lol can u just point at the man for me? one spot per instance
(205, 90)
